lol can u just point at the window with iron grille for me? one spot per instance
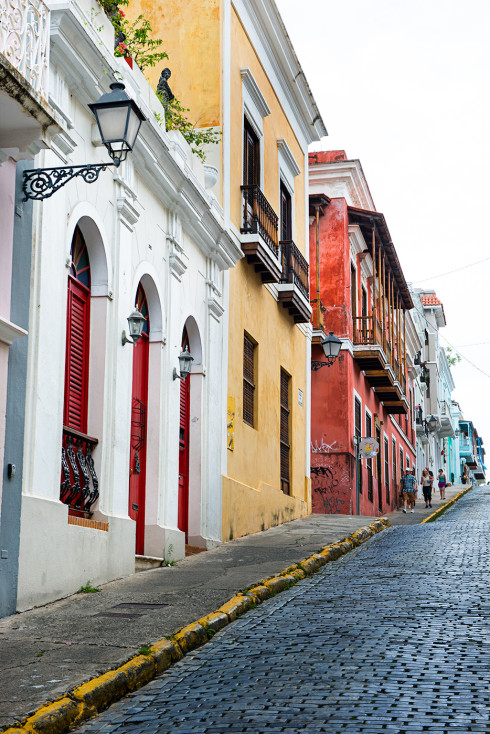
(284, 432)
(387, 470)
(358, 433)
(248, 381)
(401, 465)
(369, 462)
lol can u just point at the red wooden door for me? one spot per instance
(183, 513)
(139, 401)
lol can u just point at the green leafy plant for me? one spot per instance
(452, 356)
(177, 118)
(144, 650)
(40, 653)
(88, 589)
(168, 561)
(134, 37)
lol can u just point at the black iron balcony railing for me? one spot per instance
(79, 483)
(294, 267)
(259, 217)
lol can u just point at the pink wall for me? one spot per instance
(7, 200)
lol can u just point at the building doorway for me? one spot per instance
(379, 468)
(183, 511)
(139, 401)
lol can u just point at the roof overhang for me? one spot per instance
(374, 222)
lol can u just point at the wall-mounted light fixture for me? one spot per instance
(136, 321)
(432, 423)
(331, 348)
(185, 362)
(119, 120)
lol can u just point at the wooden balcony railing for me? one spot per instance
(259, 217)
(365, 332)
(294, 267)
(79, 483)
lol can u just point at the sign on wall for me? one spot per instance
(368, 447)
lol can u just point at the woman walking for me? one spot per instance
(441, 483)
(426, 483)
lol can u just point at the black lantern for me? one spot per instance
(119, 120)
(185, 362)
(331, 346)
(136, 321)
(432, 423)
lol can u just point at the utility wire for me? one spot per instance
(456, 270)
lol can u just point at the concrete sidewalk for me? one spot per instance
(46, 651)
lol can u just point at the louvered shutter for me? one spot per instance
(251, 159)
(248, 380)
(77, 351)
(284, 432)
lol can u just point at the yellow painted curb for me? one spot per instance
(441, 510)
(87, 699)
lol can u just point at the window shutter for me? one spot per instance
(251, 162)
(248, 380)
(285, 447)
(77, 351)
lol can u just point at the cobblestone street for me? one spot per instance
(392, 637)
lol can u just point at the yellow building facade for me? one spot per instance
(234, 66)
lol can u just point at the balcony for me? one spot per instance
(293, 290)
(79, 483)
(24, 39)
(446, 430)
(382, 370)
(259, 239)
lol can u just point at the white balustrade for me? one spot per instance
(24, 39)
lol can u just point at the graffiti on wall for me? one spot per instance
(331, 491)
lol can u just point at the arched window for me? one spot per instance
(77, 336)
(79, 482)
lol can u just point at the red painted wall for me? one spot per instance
(333, 466)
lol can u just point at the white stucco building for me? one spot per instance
(148, 234)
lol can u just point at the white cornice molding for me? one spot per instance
(285, 153)
(268, 36)
(253, 90)
(341, 179)
(9, 331)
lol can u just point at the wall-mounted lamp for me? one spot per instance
(119, 120)
(432, 423)
(331, 348)
(185, 362)
(136, 321)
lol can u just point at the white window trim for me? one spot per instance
(288, 170)
(254, 108)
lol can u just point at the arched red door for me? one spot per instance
(183, 514)
(139, 401)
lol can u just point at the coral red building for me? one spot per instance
(359, 292)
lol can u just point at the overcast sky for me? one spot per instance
(404, 87)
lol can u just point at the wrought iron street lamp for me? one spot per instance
(136, 321)
(331, 348)
(119, 120)
(185, 362)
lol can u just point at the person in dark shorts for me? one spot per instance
(441, 483)
(426, 483)
(409, 484)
